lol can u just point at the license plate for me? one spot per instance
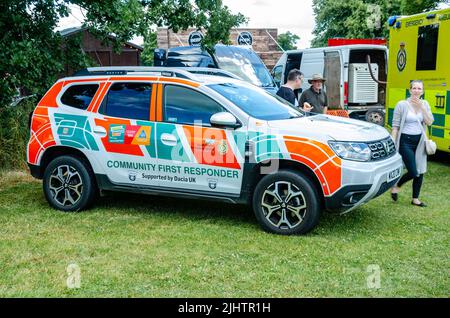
(394, 174)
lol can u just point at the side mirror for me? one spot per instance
(224, 119)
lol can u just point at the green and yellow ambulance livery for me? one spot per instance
(418, 49)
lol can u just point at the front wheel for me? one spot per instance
(286, 203)
(69, 184)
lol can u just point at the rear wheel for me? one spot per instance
(286, 203)
(69, 184)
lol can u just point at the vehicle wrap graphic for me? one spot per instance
(211, 147)
(149, 128)
(74, 131)
(194, 147)
(41, 134)
(266, 146)
(115, 146)
(129, 134)
(320, 159)
(174, 151)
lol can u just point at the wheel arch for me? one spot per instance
(285, 164)
(58, 151)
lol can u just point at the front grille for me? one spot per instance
(382, 149)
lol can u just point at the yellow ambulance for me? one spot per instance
(419, 47)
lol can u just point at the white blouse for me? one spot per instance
(413, 123)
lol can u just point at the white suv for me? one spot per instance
(171, 132)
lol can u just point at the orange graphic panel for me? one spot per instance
(49, 99)
(127, 149)
(98, 97)
(41, 134)
(159, 103)
(211, 147)
(320, 158)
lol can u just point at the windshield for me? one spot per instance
(257, 102)
(244, 63)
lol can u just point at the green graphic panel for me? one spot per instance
(437, 132)
(75, 131)
(240, 138)
(439, 120)
(447, 104)
(266, 146)
(167, 152)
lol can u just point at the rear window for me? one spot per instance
(128, 100)
(79, 96)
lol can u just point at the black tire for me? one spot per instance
(375, 116)
(80, 186)
(306, 202)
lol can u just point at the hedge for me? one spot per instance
(14, 135)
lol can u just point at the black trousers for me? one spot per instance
(408, 147)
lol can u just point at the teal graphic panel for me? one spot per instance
(75, 131)
(174, 152)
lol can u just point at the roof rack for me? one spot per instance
(181, 72)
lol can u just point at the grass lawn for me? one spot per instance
(144, 246)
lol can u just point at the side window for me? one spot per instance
(186, 106)
(128, 100)
(79, 96)
(427, 47)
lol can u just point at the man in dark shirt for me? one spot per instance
(294, 82)
(315, 95)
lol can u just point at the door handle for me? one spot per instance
(169, 140)
(99, 130)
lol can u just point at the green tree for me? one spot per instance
(31, 55)
(150, 44)
(360, 18)
(288, 40)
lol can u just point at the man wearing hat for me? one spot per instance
(315, 95)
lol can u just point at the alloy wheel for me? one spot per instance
(284, 205)
(66, 185)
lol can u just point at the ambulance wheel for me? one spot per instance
(69, 184)
(286, 203)
(375, 116)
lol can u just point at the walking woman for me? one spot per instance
(411, 116)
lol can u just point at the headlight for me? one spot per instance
(357, 151)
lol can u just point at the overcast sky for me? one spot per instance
(285, 15)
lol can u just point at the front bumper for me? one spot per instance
(363, 182)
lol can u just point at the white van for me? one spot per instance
(349, 84)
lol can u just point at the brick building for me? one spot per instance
(263, 42)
